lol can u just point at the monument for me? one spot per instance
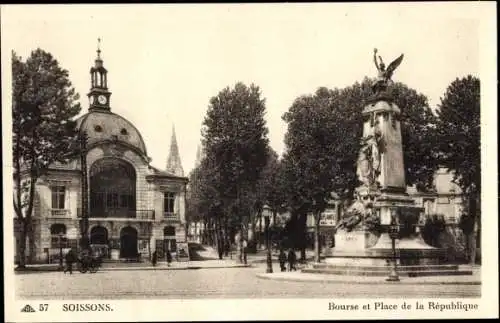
(381, 202)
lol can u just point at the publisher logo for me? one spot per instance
(28, 309)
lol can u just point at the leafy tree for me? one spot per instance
(44, 104)
(269, 190)
(236, 146)
(459, 133)
(274, 185)
(434, 225)
(317, 144)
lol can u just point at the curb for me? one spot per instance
(358, 282)
(170, 268)
(41, 270)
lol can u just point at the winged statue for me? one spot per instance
(384, 74)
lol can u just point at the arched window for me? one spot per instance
(58, 238)
(113, 188)
(99, 235)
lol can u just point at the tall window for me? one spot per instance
(58, 195)
(58, 237)
(168, 200)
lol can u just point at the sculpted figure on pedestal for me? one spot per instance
(355, 214)
(368, 168)
(384, 75)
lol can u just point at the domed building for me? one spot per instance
(127, 207)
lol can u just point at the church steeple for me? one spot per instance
(174, 165)
(99, 94)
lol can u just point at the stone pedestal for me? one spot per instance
(115, 254)
(353, 241)
(351, 250)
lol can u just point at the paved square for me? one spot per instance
(211, 283)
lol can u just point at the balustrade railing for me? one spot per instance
(59, 213)
(170, 216)
(120, 213)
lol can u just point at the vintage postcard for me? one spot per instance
(171, 162)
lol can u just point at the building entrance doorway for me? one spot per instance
(169, 242)
(128, 243)
(99, 241)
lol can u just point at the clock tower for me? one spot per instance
(99, 95)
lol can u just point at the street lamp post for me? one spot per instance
(61, 235)
(84, 222)
(269, 260)
(393, 234)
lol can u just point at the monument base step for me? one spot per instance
(407, 272)
(386, 267)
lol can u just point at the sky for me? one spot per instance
(166, 61)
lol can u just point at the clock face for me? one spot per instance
(102, 99)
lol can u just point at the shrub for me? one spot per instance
(466, 224)
(434, 225)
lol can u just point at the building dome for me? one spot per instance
(105, 126)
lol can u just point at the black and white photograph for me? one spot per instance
(249, 160)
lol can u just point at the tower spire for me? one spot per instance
(99, 95)
(99, 48)
(174, 165)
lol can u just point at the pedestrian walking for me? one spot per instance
(227, 247)
(292, 258)
(70, 259)
(240, 249)
(169, 257)
(220, 247)
(244, 246)
(282, 259)
(154, 258)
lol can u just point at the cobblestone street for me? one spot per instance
(210, 283)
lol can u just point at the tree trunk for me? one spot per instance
(472, 244)
(22, 243)
(209, 232)
(316, 237)
(467, 246)
(214, 232)
(253, 222)
(302, 253)
(260, 231)
(478, 237)
(220, 241)
(472, 236)
(27, 219)
(274, 225)
(303, 235)
(204, 237)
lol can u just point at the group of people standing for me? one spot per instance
(223, 247)
(291, 258)
(86, 257)
(154, 258)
